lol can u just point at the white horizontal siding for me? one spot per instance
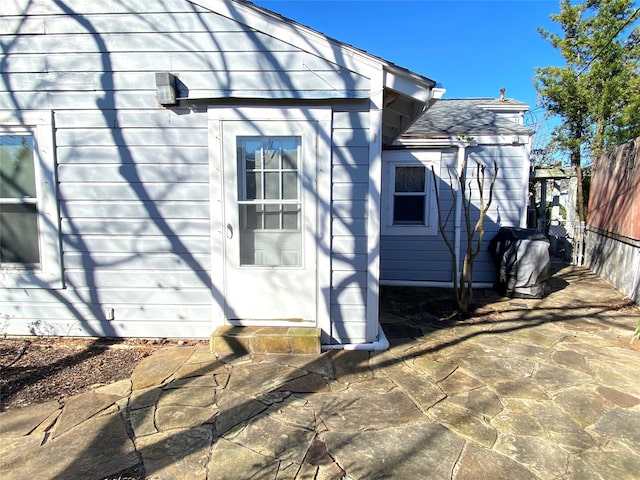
(106, 297)
(128, 191)
(104, 118)
(56, 100)
(348, 245)
(187, 155)
(89, 41)
(156, 262)
(105, 23)
(218, 81)
(132, 137)
(133, 173)
(349, 295)
(349, 227)
(46, 7)
(127, 226)
(350, 190)
(125, 279)
(135, 244)
(183, 61)
(57, 312)
(139, 209)
(349, 209)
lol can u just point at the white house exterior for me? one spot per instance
(170, 166)
(452, 135)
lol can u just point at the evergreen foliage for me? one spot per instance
(596, 94)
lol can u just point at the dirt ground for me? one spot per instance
(37, 369)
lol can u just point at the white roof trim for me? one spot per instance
(407, 86)
(454, 141)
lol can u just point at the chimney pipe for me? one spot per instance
(502, 90)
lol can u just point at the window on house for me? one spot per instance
(409, 204)
(29, 243)
(409, 195)
(18, 201)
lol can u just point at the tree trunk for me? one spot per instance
(580, 194)
(576, 161)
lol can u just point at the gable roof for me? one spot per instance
(454, 117)
(405, 94)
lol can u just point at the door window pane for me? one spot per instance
(254, 185)
(290, 153)
(272, 185)
(290, 217)
(271, 154)
(269, 201)
(272, 217)
(251, 153)
(289, 185)
(251, 217)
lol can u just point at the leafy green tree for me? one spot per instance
(613, 75)
(596, 94)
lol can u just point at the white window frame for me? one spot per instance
(48, 274)
(391, 159)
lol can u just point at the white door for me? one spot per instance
(269, 218)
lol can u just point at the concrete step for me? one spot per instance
(240, 340)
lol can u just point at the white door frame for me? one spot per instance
(322, 116)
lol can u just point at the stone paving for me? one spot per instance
(544, 389)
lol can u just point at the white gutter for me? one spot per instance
(429, 283)
(381, 344)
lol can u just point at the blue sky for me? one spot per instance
(471, 47)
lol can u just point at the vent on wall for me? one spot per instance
(166, 88)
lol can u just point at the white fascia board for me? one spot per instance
(426, 142)
(294, 34)
(476, 140)
(504, 107)
(408, 85)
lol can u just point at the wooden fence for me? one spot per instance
(613, 220)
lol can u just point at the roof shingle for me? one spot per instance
(466, 117)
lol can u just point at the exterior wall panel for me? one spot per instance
(132, 175)
(350, 174)
(427, 258)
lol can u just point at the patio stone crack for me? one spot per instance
(456, 464)
(126, 420)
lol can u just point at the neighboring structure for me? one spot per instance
(552, 210)
(613, 219)
(450, 136)
(169, 166)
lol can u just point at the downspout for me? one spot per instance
(380, 344)
(457, 233)
(526, 171)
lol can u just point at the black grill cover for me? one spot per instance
(522, 258)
